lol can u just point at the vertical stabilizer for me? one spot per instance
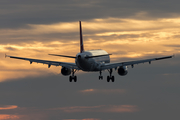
(81, 38)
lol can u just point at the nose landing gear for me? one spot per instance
(109, 78)
(100, 77)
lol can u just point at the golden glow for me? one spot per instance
(54, 28)
(124, 38)
(106, 91)
(8, 117)
(88, 90)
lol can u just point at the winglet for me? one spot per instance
(81, 38)
(5, 55)
(173, 55)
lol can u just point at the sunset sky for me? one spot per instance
(130, 30)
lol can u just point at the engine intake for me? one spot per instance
(122, 70)
(79, 56)
(65, 71)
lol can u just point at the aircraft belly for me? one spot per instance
(83, 65)
(87, 65)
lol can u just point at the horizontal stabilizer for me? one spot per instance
(97, 56)
(62, 55)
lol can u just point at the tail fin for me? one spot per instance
(81, 38)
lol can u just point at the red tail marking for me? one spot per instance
(81, 38)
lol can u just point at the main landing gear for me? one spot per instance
(110, 77)
(72, 77)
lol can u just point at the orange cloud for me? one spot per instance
(13, 69)
(106, 91)
(88, 90)
(8, 107)
(8, 117)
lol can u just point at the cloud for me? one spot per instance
(29, 113)
(173, 45)
(35, 12)
(9, 117)
(105, 91)
(127, 30)
(10, 48)
(21, 69)
(87, 90)
(39, 95)
(122, 109)
(8, 107)
(101, 108)
(126, 38)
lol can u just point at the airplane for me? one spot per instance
(90, 61)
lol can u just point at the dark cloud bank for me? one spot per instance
(18, 13)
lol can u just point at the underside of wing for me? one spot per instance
(132, 63)
(49, 63)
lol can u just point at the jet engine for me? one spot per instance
(65, 71)
(122, 70)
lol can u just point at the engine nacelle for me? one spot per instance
(122, 70)
(65, 71)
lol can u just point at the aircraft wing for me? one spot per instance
(49, 63)
(132, 63)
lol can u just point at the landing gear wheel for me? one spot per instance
(108, 78)
(75, 78)
(112, 78)
(100, 77)
(70, 78)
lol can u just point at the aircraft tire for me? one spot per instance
(75, 78)
(100, 77)
(70, 78)
(108, 78)
(112, 78)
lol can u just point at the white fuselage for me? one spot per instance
(94, 63)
